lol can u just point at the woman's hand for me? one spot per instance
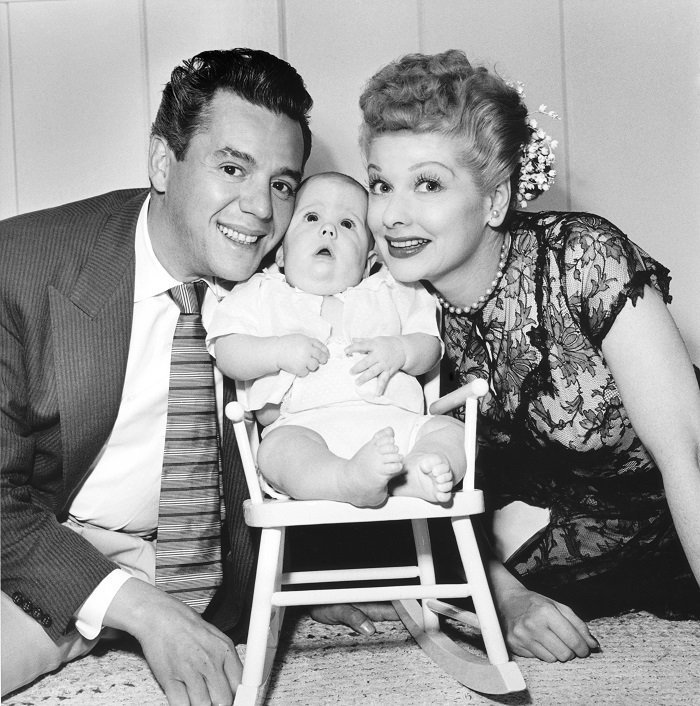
(384, 357)
(359, 617)
(537, 626)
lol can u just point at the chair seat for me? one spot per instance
(291, 513)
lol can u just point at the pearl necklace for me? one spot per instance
(494, 282)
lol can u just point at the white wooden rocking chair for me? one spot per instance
(493, 674)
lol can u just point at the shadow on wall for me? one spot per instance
(323, 159)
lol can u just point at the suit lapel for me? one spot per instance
(91, 331)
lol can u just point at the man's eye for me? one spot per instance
(347, 223)
(311, 217)
(284, 189)
(232, 170)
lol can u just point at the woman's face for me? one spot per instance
(426, 213)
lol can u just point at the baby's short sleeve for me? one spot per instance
(602, 269)
(238, 312)
(417, 308)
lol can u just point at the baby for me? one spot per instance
(330, 353)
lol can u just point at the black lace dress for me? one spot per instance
(553, 430)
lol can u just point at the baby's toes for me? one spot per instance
(443, 496)
(384, 436)
(434, 466)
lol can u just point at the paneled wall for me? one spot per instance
(80, 83)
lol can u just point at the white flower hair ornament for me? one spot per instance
(537, 157)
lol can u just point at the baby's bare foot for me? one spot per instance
(371, 468)
(429, 476)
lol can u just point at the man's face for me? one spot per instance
(229, 201)
(325, 249)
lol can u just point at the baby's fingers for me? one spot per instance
(359, 345)
(365, 363)
(382, 381)
(320, 352)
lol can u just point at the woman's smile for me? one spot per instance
(406, 247)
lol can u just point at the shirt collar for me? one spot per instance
(151, 278)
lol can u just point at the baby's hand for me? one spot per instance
(385, 356)
(300, 354)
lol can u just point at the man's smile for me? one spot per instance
(237, 236)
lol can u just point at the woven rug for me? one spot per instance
(644, 661)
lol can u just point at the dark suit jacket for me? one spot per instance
(66, 305)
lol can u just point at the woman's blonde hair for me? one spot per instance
(444, 93)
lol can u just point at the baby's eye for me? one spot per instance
(347, 223)
(311, 217)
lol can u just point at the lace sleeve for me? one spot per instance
(602, 269)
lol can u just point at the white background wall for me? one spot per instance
(80, 82)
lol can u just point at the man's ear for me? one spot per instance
(279, 256)
(159, 159)
(499, 200)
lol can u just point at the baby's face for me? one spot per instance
(327, 243)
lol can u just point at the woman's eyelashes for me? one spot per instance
(423, 182)
(427, 183)
(377, 185)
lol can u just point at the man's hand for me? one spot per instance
(358, 617)
(384, 357)
(300, 354)
(537, 626)
(193, 661)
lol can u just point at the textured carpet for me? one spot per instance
(644, 661)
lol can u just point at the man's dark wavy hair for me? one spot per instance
(256, 76)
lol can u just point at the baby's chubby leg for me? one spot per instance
(436, 463)
(297, 461)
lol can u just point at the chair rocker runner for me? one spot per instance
(417, 604)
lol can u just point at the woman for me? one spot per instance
(593, 414)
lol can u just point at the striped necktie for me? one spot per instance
(188, 550)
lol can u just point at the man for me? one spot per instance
(86, 329)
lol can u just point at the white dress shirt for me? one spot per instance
(122, 491)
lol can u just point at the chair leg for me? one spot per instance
(265, 620)
(481, 593)
(426, 569)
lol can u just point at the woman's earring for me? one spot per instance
(495, 213)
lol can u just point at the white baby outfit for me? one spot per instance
(328, 400)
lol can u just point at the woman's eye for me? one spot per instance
(347, 223)
(311, 217)
(377, 186)
(232, 170)
(428, 185)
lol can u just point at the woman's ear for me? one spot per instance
(499, 202)
(159, 156)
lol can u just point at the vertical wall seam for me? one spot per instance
(420, 24)
(145, 63)
(13, 112)
(567, 113)
(282, 29)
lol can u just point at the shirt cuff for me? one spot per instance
(89, 617)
